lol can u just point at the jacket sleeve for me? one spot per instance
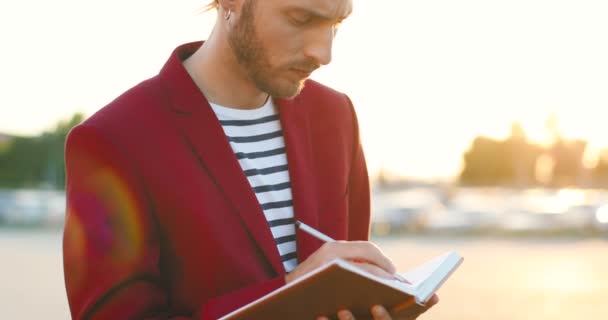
(111, 244)
(358, 187)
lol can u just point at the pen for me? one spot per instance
(306, 228)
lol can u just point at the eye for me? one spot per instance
(300, 19)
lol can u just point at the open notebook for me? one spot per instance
(342, 285)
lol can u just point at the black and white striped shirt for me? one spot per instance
(257, 141)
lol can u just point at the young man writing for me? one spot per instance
(183, 192)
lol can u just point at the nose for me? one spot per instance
(319, 49)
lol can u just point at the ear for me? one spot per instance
(233, 5)
(231, 8)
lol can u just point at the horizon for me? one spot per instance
(484, 64)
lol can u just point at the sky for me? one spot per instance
(425, 76)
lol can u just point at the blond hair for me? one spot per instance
(212, 5)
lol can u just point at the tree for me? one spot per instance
(600, 172)
(504, 162)
(36, 161)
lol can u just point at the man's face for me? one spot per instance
(280, 42)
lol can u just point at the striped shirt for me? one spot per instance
(257, 141)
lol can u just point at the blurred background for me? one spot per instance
(483, 124)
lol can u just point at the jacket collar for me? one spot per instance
(203, 132)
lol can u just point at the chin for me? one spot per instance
(284, 90)
(293, 92)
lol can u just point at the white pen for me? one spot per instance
(325, 238)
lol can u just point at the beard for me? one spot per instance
(253, 57)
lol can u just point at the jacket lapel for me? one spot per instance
(201, 129)
(296, 131)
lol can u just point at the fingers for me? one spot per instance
(412, 313)
(359, 251)
(409, 309)
(380, 313)
(372, 254)
(433, 301)
(373, 269)
(345, 315)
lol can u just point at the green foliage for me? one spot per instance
(36, 161)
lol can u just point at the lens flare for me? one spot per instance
(105, 222)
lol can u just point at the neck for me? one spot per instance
(217, 73)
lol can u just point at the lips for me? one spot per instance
(302, 72)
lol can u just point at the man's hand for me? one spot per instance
(380, 313)
(364, 254)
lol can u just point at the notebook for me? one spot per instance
(340, 284)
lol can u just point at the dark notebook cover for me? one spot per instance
(341, 285)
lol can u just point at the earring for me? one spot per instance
(227, 14)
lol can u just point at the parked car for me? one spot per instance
(398, 219)
(601, 219)
(456, 219)
(404, 210)
(32, 207)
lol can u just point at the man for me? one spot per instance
(183, 192)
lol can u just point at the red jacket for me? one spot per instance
(162, 222)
